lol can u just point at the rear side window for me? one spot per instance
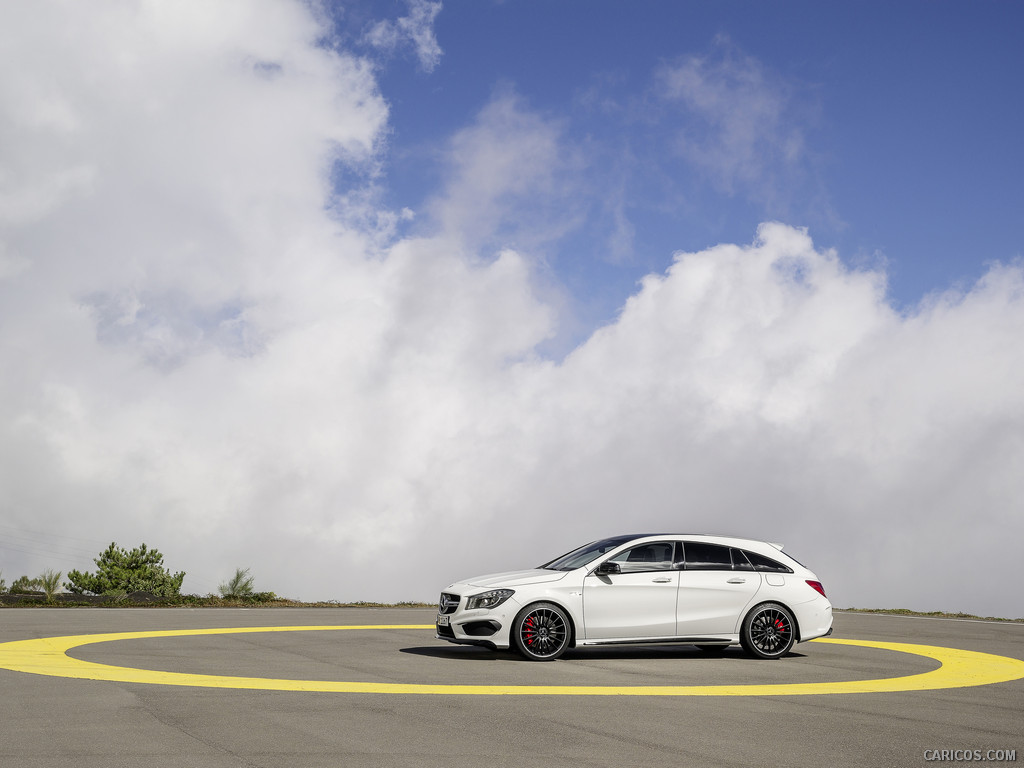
(706, 557)
(762, 563)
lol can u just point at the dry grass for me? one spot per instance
(927, 614)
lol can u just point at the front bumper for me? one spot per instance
(488, 627)
(481, 629)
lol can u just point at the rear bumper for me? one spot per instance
(814, 619)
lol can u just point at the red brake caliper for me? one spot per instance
(529, 631)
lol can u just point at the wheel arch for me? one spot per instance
(569, 613)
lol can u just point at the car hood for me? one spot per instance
(515, 578)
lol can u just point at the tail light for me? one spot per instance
(816, 586)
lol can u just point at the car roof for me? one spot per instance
(711, 538)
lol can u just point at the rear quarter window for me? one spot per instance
(762, 563)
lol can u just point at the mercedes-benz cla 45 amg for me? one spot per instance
(708, 591)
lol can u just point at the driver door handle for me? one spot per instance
(662, 580)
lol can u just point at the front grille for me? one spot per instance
(445, 631)
(448, 603)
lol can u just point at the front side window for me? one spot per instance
(586, 554)
(656, 556)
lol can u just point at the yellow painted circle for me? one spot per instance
(48, 656)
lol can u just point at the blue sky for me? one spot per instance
(320, 288)
(908, 115)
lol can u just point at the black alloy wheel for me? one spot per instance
(541, 632)
(768, 631)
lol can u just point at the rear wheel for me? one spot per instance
(768, 632)
(541, 632)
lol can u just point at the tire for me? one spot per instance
(541, 632)
(768, 631)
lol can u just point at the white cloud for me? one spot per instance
(198, 355)
(737, 122)
(415, 30)
(510, 181)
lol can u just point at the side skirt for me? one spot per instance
(723, 641)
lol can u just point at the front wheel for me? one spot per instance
(768, 632)
(541, 632)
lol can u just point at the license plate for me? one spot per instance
(442, 621)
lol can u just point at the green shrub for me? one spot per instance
(121, 571)
(239, 585)
(49, 582)
(23, 585)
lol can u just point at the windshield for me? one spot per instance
(587, 553)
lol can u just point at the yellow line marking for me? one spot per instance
(48, 656)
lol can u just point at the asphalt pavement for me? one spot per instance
(48, 720)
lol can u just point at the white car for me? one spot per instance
(709, 591)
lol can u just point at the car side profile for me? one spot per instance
(708, 591)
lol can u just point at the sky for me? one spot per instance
(370, 297)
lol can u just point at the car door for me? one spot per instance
(638, 601)
(713, 591)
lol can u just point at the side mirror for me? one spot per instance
(607, 568)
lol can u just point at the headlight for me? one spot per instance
(491, 599)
